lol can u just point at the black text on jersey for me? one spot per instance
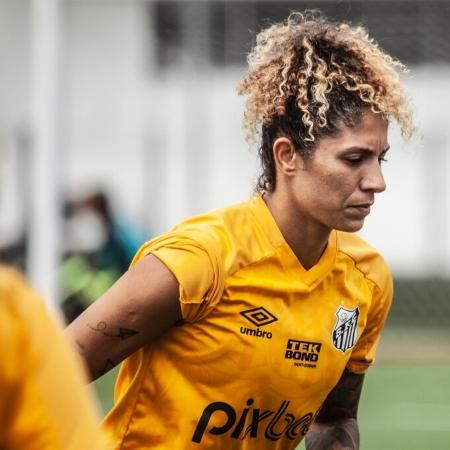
(260, 317)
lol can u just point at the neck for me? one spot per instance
(307, 238)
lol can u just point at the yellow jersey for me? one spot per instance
(262, 341)
(44, 404)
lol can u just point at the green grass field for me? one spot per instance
(406, 408)
(403, 407)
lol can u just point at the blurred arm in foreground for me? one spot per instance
(43, 402)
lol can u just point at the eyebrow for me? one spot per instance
(366, 149)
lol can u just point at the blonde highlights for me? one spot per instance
(307, 76)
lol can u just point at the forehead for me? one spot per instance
(370, 133)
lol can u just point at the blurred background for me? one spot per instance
(118, 118)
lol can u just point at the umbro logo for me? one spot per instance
(259, 317)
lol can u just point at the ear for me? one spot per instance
(285, 156)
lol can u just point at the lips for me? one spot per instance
(362, 209)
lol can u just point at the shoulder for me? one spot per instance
(10, 279)
(365, 257)
(25, 309)
(22, 305)
(21, 313)
(10, 303)
(15, 293)
(232, 233)
(227, 220)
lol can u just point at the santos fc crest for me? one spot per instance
(345, 331)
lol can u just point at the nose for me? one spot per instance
(373, 180)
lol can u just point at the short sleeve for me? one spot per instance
(363, 354)
(194, 258)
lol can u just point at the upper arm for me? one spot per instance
(137, 309)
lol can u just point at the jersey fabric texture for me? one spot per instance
(43, 402)
(262, 343)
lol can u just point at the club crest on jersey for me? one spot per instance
(345, 331)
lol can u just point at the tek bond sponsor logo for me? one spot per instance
(252, 422)
(259, 317)
(303, 353)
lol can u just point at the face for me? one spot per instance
(336, 186)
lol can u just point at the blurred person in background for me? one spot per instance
(253, 325)
(43, 402)
(99, 248)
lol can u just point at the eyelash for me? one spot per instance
(354, 161)
(357, 161)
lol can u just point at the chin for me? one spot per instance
(350, 227)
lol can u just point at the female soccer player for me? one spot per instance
(245, 327)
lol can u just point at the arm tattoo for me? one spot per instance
(335, 426)
(124, 333)
(342, 401)
(338, 437)
(109, 364)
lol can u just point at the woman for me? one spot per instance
(247, 326)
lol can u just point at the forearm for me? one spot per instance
(141, 306)
(338, 435)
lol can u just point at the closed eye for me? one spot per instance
(382, 157)
(355, 160)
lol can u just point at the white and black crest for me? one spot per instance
(345, 331)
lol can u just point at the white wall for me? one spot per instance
(14, 111)
(105, 85)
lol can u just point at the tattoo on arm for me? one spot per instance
(123, 333)
(342, 401)
(109, 364)
(338, 437)
(335, 426)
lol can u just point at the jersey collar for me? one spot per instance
(267, 222)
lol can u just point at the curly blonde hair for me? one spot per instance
(307, 76)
